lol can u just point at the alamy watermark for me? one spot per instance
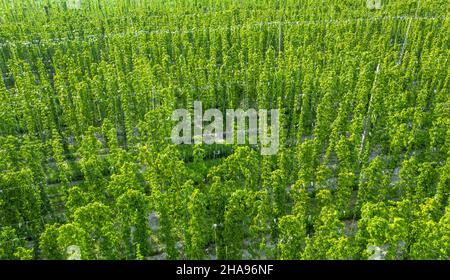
(228, 128)
(73, 4)
(373, 4)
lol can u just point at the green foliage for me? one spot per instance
(88, 169)
(132, 210)
(48, 243)
(9, 242)
(23, 254)
(328, 241)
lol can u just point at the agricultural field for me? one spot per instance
(359, 92)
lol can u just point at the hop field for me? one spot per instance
(88, 168)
